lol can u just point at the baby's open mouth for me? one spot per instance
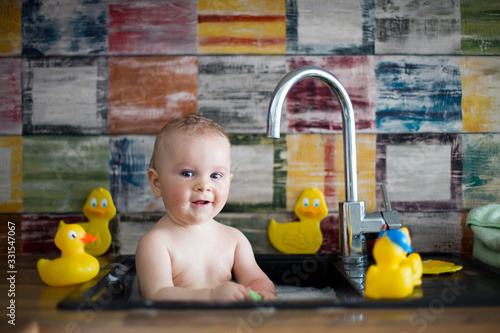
(201, 202)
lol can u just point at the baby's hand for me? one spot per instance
(268, 296)
(229, 291)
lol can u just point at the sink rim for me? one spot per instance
(98, 294)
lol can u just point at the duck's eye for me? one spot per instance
(316, 202)
(72, 234)
(305, 202)
(104, 203)
(93, 202)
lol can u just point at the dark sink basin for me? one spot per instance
(115, 287)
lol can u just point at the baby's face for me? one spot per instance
(194, 177)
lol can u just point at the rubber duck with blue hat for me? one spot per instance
(397, 270)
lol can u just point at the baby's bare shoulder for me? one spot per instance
(232, 232)
(153, 238)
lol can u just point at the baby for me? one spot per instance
(187, 255)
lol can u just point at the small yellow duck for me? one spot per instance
(395, 274)
(74, 265)
(99, 210)
(304, 236)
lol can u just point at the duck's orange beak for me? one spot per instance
(87, 238)
(310, 212)
(98, 212)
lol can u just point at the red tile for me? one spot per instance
(145, 92)
(312, 107)
(10, 96)
(153, 27)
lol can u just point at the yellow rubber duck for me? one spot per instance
(74, 265)
(99, 210)
(304, 236)
(395, 274)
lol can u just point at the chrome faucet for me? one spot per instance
(354, 222)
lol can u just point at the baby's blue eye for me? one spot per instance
(93, 202)
(305, 202)
(316, 202)
(187, 173)
(216, 176)
(104, 203)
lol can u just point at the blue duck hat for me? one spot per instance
(398, 237)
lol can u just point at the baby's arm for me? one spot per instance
(248, 273)
(154, 273)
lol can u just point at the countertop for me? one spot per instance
(36, 311)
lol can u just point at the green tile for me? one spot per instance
(60, 171)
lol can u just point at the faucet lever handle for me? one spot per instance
(391, 217)
(385, 198)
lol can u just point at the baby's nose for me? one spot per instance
(203, 186)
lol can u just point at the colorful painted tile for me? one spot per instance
(315, 160)
(481, 175)
(38, 231)
(254, 227)
(59, 172)
(480, 97)
(305, 165)
(130, 157)
(132, 228)
(152, 27)
(312, 27)
(313, 108)
(365, 158)
(10, 28)
(11, 174)
(418, 94)
(417, 27)
(235, 91)
(422, 172)
(252, 166)
(242, 27)
(480, 26)
(10, 96)
(434, 231)
(66, 95)
(145, 92)
(77, 27)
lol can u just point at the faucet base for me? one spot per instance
(350, 260)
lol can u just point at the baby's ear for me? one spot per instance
(154, 182)
(231, 177)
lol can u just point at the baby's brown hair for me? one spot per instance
(191, 124)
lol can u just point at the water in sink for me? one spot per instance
(283, 293)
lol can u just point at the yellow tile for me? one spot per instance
(263, 7)
(480, 99)
(366, 160)
(254, 30)
(10, 27)
(306, 165)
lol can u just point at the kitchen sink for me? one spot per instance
(319, 275)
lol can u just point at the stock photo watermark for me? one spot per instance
(421, 318)
(88, 309)
(11, 273)
(292, 277)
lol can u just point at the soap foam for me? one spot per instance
(283, 293)
(292, 293)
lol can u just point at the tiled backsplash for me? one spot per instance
(84, 87)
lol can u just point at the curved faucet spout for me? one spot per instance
(276, 106)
